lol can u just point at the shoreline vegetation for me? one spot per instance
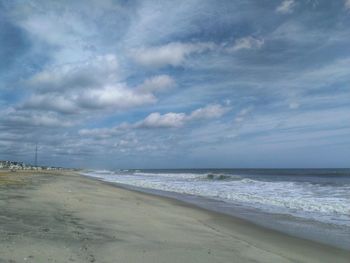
(60, 216)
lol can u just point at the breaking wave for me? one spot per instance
(314, 198)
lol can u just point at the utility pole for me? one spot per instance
(36, 155)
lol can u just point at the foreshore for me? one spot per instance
(60, 216)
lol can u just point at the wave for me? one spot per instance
(189, 176)
(328, 203)
(218, 177)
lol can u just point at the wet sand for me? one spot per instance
(64, 217)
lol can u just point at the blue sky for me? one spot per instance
(169, 84)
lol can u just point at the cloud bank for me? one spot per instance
(112, 84)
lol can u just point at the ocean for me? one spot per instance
(308, 203)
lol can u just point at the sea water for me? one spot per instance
(309, 203)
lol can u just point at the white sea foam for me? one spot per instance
(326, 203)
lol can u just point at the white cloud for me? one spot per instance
(51, 102)
(117, 96)
(168, 120)
(93, 72)
(175, 120)
(347, 4)
(173, 54)
(286, 7)
(209, 112)
(91, 85)
(246, 43)
(156, 120)
(44, 119)
(157, 83)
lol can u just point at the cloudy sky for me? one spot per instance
(193, 83)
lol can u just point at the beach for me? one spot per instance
(60, 216)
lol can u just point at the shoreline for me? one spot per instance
(66, 216)
(287, 224)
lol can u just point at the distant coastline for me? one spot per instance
(14, 165)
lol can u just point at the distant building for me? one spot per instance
(22, 166)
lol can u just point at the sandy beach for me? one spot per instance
(64, 217)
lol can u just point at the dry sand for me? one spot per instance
(51, 217)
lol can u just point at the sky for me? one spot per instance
(175, 84)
